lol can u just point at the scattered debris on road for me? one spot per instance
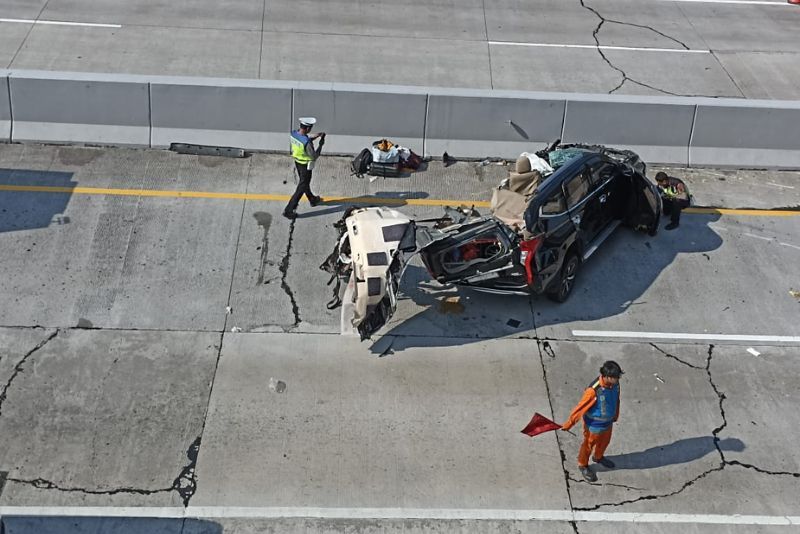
(278, 386)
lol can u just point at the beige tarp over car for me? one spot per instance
(511, 197)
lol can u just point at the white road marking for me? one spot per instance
(758, 236)
(745, 2)
(63, 23)
(212, 512)
(679, 335)
(754, 352)
(602, 47)
(788, 245)
(781, 185)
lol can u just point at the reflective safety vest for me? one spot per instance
(600, 416)
(297, 144)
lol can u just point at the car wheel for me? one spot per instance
(566, 281)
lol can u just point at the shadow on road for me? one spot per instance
(608, 284)
(678, 452)
(25, 210)
(103, 525)
(390, 199)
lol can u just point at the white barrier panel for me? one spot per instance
(746, 133)
(5, 109)
(356, 115)
(478, 124)
(245, 114)
(64, 107)
(656, 128)
(89, 108)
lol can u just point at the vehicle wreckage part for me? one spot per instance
(370, 256)
(527, 255)
(595, 244)
(567, 280)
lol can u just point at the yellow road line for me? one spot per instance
(236, 196)
(749, 213)
(390, 201)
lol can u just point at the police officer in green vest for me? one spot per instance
(305, 155)
(674, 197)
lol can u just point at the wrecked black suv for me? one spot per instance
(544, 224)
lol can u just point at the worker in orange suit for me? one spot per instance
(599, 408)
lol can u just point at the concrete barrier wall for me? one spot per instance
(747, 134)
(258, 115)
(5, 109)
(234, 113)
(475, 124)
(658, 131)
(80, 108)
(356, 115)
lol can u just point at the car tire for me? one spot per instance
(566, 279)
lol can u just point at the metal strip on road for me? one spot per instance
(389, 201)
(602, 47)
(683, 336)
(63, 23)
(478, 514)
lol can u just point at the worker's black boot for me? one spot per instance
(588, 474)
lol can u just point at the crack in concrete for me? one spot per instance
(18, 368)
(41, 483)
(651, 497)
(558, 438)
(284, 269)
(185, 483)
(625, 77)
(715, 433)
(668, 355)
(719, 429)
(624, 486)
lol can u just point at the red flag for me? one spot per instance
(540, 424)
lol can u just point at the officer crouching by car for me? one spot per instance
(674, 196)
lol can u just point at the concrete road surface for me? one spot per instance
(731, 48)
(167, 362)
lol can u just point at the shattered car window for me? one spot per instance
(577, 189)
(561, 156)
(554, 205)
